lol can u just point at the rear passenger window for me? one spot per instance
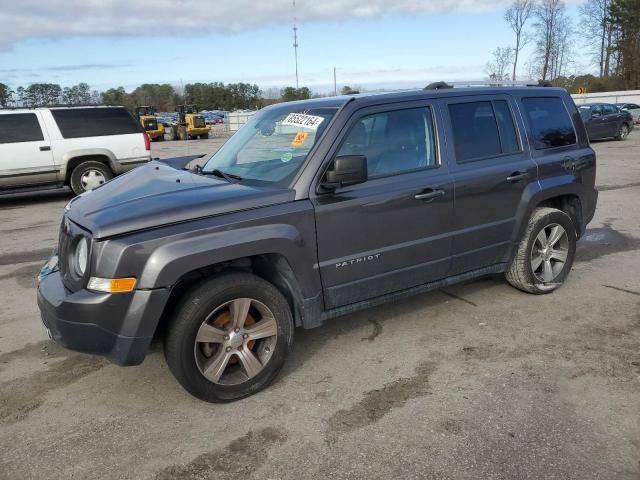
(550, 122)
(393, 142)
(482, 130)
(95, 122)
(20, 127)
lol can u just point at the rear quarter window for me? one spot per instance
(95, 122)
(20, 127)
(549, 122)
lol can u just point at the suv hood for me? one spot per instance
(156, 194)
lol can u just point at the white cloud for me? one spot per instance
(25, 19)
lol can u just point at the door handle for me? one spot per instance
(517, 176)
(430, 195)
(45, 148)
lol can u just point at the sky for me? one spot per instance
(371, 44)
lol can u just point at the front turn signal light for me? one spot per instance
(111, 285)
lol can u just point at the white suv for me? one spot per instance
(81, 147)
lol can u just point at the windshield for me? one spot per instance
(272, 146)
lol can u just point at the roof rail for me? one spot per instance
(488, 83)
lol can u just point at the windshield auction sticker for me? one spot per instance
(303, 120)
(301, 137)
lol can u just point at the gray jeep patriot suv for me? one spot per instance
(313, 210)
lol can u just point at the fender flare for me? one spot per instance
(170, 262)
(540, 191)
(88, 152)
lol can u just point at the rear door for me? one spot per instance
(598, 124)
(612, 120)
(25, 151)
(392, 232)
(491, 169)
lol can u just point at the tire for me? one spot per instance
(525, 273)
(205, 136)
(623, 132)
(89, 175)
(212, 304)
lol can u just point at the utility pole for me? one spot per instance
(295, 41)
(335, 84)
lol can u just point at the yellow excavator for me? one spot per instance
(147, 116)
(190, 124)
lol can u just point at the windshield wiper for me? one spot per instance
(229, 177)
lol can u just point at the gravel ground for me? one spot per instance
(476, 381)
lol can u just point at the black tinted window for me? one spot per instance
(549, 121)
(20, 127)
(393, 142)
(508, 135)
(95, 122)
(482, 130)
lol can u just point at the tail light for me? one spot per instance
(147, 142)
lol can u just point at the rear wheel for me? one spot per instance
(205, 136)
(229, 337)
(89, 175)
(545, 254)
(623, 132)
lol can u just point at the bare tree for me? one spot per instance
(516, 16)
(498, 68)
(597, 30)
(552, 34)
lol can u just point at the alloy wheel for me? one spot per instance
(235, 341)
(549, 253)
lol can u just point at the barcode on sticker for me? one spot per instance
(303, 120)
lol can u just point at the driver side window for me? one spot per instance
(393, 142)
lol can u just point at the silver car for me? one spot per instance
(632, 108)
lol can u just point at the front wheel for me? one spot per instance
(623, 132)
(545, 254)
(229, 337)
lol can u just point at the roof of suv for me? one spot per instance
(57, 107)
(407, 95)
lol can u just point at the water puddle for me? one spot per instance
(598, 242)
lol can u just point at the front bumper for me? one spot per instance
(117, 326)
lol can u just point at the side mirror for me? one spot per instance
(346, 170)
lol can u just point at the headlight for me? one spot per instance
(81, 257)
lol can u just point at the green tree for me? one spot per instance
(625, 19)
(289, 94)
(41, 94)
(114, 96)
(162, 96)
(77, 95)
(219, 96)
(5, 94)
